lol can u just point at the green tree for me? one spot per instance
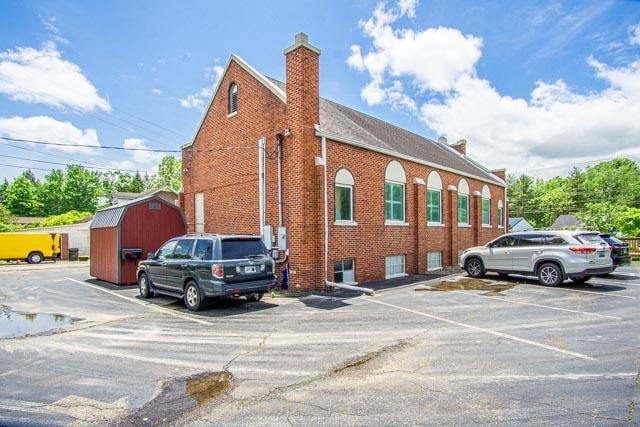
(137, 184)
(3, 190)
(169, 174)
(600, 216)
(5, 215)
(81, 189)
(613, 181)
(50, 193)
(22, 196)
(628, 222)
(551, 198)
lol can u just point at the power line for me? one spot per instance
(52, 154)
(586, 162)
(67, 164)
(24, 167)
(110, 147)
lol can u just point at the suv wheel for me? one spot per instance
(145, 286)
(580, 280)
(192, 296)
(255, 297)
(550, 274)
(474, 267)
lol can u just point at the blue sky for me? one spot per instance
(529, 84)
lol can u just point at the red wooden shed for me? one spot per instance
(124, 233)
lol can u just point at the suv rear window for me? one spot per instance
(590, 239)
(612, 240)
(242, 248)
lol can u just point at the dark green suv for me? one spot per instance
(195, 267)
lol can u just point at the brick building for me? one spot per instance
(349, 197)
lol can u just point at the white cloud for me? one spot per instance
(141, 160)
(199, 99)
(408, 7)
(48, 129)
(50, 24)
(433, 59)
(43, 76)
(156, 91)
(634, 34)
(555, 125)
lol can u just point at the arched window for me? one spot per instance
(394, 183)
(233, 98)
(486, 205)
(434, 199)
(463, 202)
(343, 196)
(500, 214)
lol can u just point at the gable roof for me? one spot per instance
(344, 124)
(514, 221)
(564, 221)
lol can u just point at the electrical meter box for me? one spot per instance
(282, 238)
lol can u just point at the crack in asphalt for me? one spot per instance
(248, 352)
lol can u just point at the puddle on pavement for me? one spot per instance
(208, 386)
(16, 324)
(178, 397)
(468, 284)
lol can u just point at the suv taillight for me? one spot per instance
(582, 249)
(217, 270)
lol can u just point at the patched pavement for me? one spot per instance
(451, 350)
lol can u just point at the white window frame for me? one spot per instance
(500, 214)
(463, 191)
(230, 111)
(439, 266)
(399, 274)
(344, 179)
(486, 197)
(395, 174)
(439, 222)
(353, 270)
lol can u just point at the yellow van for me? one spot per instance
(34, 248)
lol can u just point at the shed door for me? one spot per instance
(199, 202)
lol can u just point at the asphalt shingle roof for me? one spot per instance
(350, 124)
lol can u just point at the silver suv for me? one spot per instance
(552, 256)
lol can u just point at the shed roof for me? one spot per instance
(514, 221)
(565, 221)
(112, 215)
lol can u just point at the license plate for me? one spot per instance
(250, 269)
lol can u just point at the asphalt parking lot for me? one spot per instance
(510, 352)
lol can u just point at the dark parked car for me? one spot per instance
(195, 267)
(619, 250)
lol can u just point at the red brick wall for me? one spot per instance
(227, 175)
(371, 240)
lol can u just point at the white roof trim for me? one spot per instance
(248, 68)
(397, 155)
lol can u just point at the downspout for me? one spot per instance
(261, 182)
(279, 139)
(326, 231)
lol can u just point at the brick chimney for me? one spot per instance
(500, 173)
(460, 146)
(301, 178)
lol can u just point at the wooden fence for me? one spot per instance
(634, 245)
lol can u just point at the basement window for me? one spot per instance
(233, 98)
(343, 271)
(434, 261)
(394, 266)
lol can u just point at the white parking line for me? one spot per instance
(602, 294)
(586, 313)
(145, 304)
(486, 331)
